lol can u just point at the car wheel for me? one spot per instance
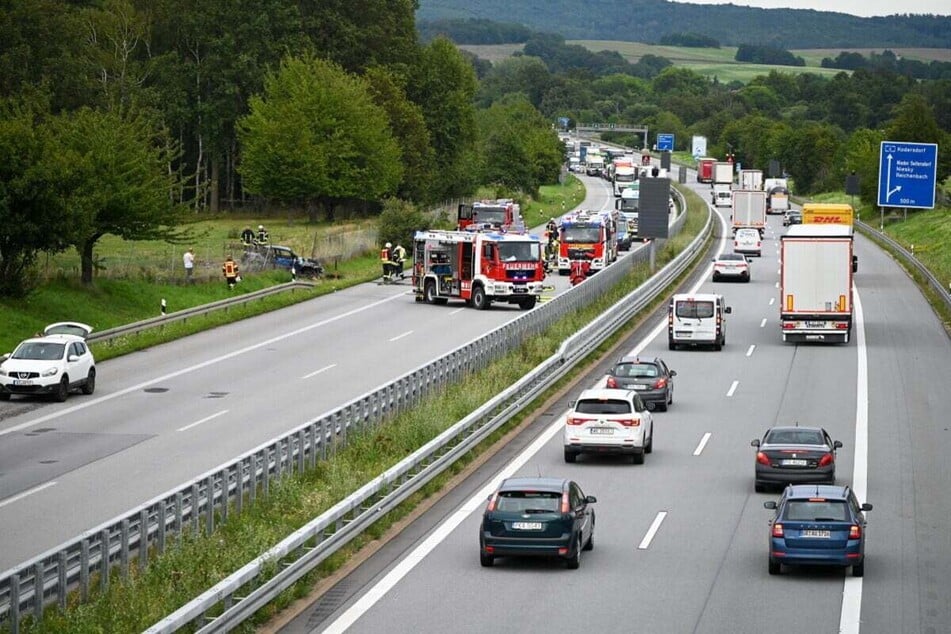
(718, 346)
(574, 559)
(429, 292)
(527, 304)
(671, 345)
(775, 567)
(570, 456)
(90, 385)
(589, 545)
(4, 396)
(661, 405)
(716, 278)
(637, 458)
(62, 390)
(479, 299)
(759, 488)
(650, 443)
(486, 560)
(858, 570)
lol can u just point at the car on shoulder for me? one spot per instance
(748, 242)
(54, 364)
(609, 421)
(794, 454)
(537, 517)
(817, 525)
(731, 266)
(792, 217)
(281, 257)
(648, 376)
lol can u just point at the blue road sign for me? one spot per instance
(665, 142)
(907, 173)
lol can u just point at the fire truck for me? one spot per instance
(479, 267)
(588, 235)
(502, 215)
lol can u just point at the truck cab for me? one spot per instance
(697, 319)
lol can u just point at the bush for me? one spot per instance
(399, 220)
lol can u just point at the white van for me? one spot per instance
(697, 319)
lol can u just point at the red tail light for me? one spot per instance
(492, 501)
(736, 243)
(762, 458)
(564, 503)
(629, 422)
(612, 382)
(777, 530)
(572, 420)
(855, 532)
(826, 460)
(659, 383)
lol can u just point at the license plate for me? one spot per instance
(526, 526)
(817, 534)
(602, 431)
(638, 386)
(22, 382)
(520, 289)
(815, 324)
(794, 463)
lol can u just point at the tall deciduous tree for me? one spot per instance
(317, 137)
(117, 181)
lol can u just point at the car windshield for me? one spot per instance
(694, 310)
(527, 501)
(520, 251)
(816, 511)
(581, 234)
(794, 437)
(636, 370)
(39, 351)
(603, 406)
(489, 215)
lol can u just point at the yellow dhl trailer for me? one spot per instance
(827, 214)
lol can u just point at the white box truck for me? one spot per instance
(815, 283)
(722, 173)
(749, 210)
(751, 179)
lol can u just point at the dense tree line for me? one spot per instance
(692, 40)
(888, 60)
(728, 23)
(475, 31)
(759, 54)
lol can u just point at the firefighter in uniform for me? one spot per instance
(399, 257)
(230, 271)
(386, 259)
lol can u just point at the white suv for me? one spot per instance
(609, 421)
(55, 364)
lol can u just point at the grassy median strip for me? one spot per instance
(197, 561)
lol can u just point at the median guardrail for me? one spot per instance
(126, 541)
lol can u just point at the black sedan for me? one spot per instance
(791, 455)
(537, 517)
(648, 376)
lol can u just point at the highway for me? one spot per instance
(166, 415)
(681, 541)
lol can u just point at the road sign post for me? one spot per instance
(907, 174)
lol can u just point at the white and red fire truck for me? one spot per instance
(479, 267)
(502, 215)
(588, 235)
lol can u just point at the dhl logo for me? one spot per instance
(829, 220)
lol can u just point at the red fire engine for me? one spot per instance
(588, 235)
(502, 215)
(478, 267)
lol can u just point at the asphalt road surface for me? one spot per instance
(681, 540)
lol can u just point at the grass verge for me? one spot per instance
(196, 561)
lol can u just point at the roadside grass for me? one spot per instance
(553, 200)
(196, 560)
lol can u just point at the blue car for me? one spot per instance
(817, 525)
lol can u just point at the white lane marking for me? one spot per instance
(203, 420)
(749, 351)
(405, 334)
(772, 300)
(733, 388)
(374, 594)
(652, 531)
(777, 284)
(323, 369)
(850, 617)
(20, 496)
(197, 366)
(762, 324)
(458, 310)
(703, 443)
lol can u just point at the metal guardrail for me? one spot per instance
(204, 309)
(126, 541)
(909, 259)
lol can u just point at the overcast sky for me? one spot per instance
(863, 8)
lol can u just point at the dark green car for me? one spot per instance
(537, 517)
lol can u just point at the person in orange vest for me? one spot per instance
(386, 258)
(230, 270)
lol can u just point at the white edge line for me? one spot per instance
(405, 334)
(204, 420)
(20, 496)
(762, 324)
(374, 594)
(851, 615)
(733, 388)
(458, 310)
(772, 300)
(749, 351)
(703, 444)
(652, 531)
(323, 369)
(197, 366)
